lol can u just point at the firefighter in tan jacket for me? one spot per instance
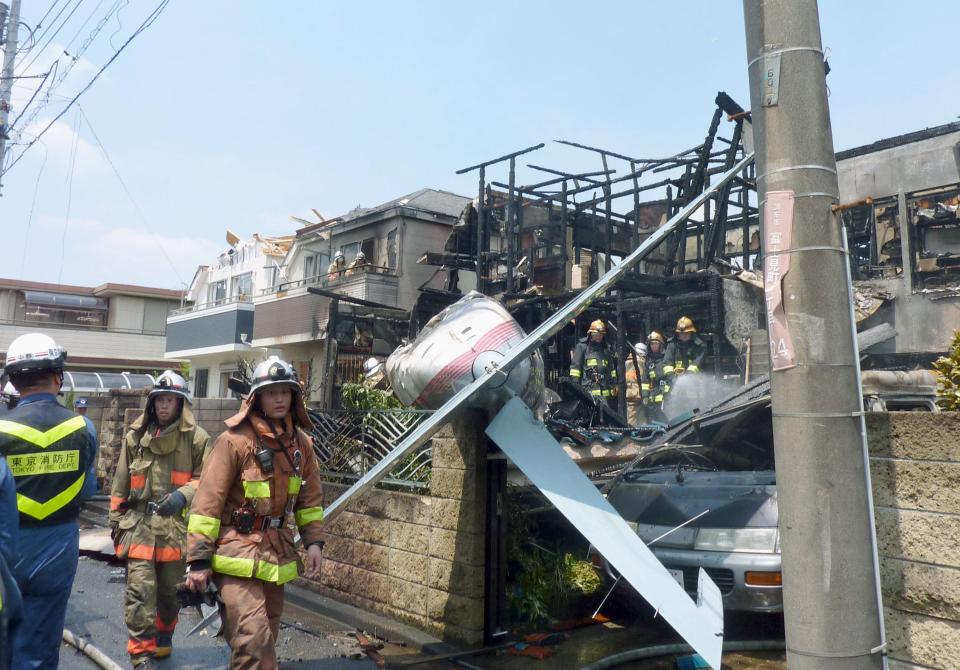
(261, 472)
(152, 487)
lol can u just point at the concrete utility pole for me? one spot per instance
(831, 592)
(6, 76)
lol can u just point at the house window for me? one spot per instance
(217, 292)
(200, 383)
(315, 264)
(241, 286)
(368, 247)
(392, 250)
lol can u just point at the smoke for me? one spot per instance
(695, 391)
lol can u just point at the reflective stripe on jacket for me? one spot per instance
(594, 367)
(233, 479)
(47, 448)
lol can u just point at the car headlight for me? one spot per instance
(666, 536)
(757, 540)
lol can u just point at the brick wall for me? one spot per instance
(418, 558)
(915, 466)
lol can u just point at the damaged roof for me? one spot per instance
(900, 140)
(426, 199)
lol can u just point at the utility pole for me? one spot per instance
(6, 76)
(830, 570)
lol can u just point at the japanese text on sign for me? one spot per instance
(44, 464)
(778, 234)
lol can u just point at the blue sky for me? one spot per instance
(238, 114)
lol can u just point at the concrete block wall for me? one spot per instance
(418, 558)
(112, 415)
(915, 467)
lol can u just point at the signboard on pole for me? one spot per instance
(777, 241)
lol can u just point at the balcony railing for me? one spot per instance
(332, 279)
(237, 299)
(87, 328)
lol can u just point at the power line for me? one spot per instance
(123, 184)
(59, 77)
(40, 50)
(33, 204)
(83, 25)
(30, 101)
(66, 220)
(143, 26)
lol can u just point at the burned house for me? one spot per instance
(901, 196)
(536, 244)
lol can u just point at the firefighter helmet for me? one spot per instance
(685, 325)
(361, 256)
(338, 256)
(654, 336)
(641, 349)
(597, 326)
(34, 352)
(274, 372)
(371, 367)
(171, 382)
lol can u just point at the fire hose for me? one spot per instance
(91, 652)
(641, 653)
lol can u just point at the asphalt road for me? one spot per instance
(95, 613)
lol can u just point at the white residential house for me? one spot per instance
(214, 332)
(374, 313)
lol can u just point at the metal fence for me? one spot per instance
(349, 443)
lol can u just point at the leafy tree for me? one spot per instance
(947, 369)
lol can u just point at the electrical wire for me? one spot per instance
(44, 17)
(32, 97)
(33, 204)
(40, 50)
(53, 35)
(66, 220)
(59, 77)
(66, 47)
(126, 190)
(143, 26)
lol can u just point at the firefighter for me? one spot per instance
(10, 604)
(654, 382)
(53, 456)
(260, 472)
(374, 375)
(358, 265)
(336, 269)
(635, 363)
(685, 351)
(153, 485)
(593, 366)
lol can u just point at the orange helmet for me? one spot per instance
(654, 336)
(685, 325)
(597, 326)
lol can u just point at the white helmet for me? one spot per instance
(371, 367)
(337, 256)
(34, 352)
(641, 349)
(361, 256)
(171, 382)
(10, 391)
(274, 371)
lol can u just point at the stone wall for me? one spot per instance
(418, 558)
(915, 466)
(112, 415)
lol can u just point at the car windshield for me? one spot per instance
(738, 438)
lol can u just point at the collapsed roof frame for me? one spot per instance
(620, 229)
